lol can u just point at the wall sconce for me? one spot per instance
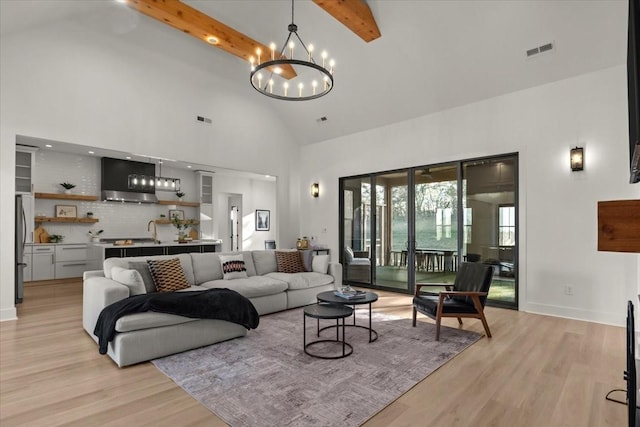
(315, 189)
(577, 159)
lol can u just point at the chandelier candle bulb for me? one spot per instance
(272, 46)
(270, 85)
(259, 79)
(331, 64)
(300, 87)
(291, 46)
(258, 52)
(314, 84)
(310, 51)
(324, 57)
(286, 86)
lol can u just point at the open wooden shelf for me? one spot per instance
(74, 220)
(60, 196)
(185, 221)
(179, 203)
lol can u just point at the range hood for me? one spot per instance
(115, 181)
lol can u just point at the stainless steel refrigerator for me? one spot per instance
(24, 235)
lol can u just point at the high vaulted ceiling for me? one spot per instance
(433, 55)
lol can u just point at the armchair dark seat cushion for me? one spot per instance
(428, 305)
(474, 279)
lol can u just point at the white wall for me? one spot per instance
(68, 82)
(558, 216)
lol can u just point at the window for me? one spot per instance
(507, 226)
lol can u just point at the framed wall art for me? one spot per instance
(263, 220)
(66, 211)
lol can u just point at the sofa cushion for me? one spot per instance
(130, 278)
(148, 320)
(320, 264)
(233, 267)
(143, 269)
(167, 274)
(185, 262)
(302, 280)
(307, 256)
(207, 267)
(265, 262)
(250, 287)
(289, 261)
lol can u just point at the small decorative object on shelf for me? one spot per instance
(67, 187)
(181, 224)
(95, 235)
(55, 238)
(89, 214)
(163, 216)
(180, 195)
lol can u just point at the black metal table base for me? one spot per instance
(347, 349)
(373, 334)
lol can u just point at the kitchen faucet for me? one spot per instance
(155, 231)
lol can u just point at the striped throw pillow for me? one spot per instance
(233, 267)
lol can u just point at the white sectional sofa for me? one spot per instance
(149, 335)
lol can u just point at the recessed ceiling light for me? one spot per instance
(212, 40)
(48, 145)
(128, 157)
(91, 152)
(188, 166)
(121, 1)
(267, 176)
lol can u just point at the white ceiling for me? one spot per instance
(433, 55)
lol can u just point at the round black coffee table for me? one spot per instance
(327, 311)
(369, 298)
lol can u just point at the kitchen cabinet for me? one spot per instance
(205, 190)
(70, 260)
(99, 253)
(24, 169)
(43, 265)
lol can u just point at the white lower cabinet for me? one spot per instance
(42, 261)
(70, 261)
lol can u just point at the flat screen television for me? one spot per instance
(633, 87)
(630, 373)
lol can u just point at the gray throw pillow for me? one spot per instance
(143, 268)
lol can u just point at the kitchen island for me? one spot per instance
(98, 252)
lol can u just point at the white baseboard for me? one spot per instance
(8, 314)
(607, 318)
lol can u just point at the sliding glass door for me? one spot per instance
(436, 223)
(418, 224)
(490, 221)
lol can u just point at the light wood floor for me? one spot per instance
(535, 371)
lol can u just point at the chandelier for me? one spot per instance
(142, 182)
(311, 80)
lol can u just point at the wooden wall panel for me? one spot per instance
(619, 226)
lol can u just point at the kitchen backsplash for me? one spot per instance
(118, 220)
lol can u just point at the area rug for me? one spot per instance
(265, 378)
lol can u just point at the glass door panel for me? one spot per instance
(436, 223)
(490, 222)
(357, 231)
(392, 231)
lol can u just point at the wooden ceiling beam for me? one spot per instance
(195, 23)
(353, 14)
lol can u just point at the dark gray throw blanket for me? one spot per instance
(221, 304)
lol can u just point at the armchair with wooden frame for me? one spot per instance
(465, 298)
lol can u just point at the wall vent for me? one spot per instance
(322, 119)
(548, 47)
(203, 119)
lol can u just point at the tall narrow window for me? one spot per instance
(507, 226)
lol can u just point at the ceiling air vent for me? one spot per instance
(548, 47)
(322, 119)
